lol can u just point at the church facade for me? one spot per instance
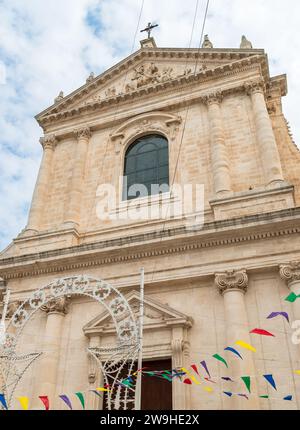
(210, 117)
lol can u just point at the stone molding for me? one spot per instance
(232, 280)
(58, 306)
(54, 114)
(290, 272)
(48, 141)
(214, 98)
(255, 86)
(153, 122)
(8, 266)
(83, 133)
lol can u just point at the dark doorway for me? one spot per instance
(156, 392)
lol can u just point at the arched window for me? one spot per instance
(146, 163)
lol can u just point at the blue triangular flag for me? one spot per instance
(234, 351)
(288, 398)
(271, 381)
(227, 393)
(3, 401)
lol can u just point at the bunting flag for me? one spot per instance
(24, 402)
(247, 382)
(45, 401)
(264, 396)
(288, 398)
(245, 345)
(276, 314)
(102, 389)
(194, 367)
(203, 364)
(234, 351)
(261, 332)
(227, 393)
(81, 399)
(244, 395)
(187, 381)
(208, 389)
(218, 357)
(210, 380)
(66, 400)
(271, 381)
(97, 393)
(292, 298)
(3, 401)
(176, 374)
(192, 378)
(226, 378)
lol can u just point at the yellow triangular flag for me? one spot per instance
(24, 402)
(208, 389)
(102, 389)
(245, 345)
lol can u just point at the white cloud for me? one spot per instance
(51, 46)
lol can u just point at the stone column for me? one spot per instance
(56, 309)
(233, 285)
(290, 273)
(265, 135)
(95, 377)
(72, 216)
(41, 190)
(220, 162)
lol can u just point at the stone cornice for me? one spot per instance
(232, 68)
(213, 234)
(171, 53)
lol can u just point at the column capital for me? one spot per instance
(253, 87)
(83, 133)
(213, 98)
(290, 272)
(58, 305)
(49, 141)
(232, 280)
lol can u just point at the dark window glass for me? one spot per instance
(147, 163)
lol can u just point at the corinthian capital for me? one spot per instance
(213, 98)
(232, 280)
(253, 87)
(49, 141)
(58, 305)
(83, 133)
(290, 272)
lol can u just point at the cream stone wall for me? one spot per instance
(203, 287)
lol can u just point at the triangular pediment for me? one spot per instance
(156, 315)
(150, 67)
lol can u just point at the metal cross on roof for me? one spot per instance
(149, 28)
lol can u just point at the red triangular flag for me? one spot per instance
(45, 400)
(187, 381)
(262, 332)
(194, 367)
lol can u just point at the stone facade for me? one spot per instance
(222, 115)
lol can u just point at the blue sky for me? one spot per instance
(46, 47)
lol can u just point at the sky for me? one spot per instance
(46, 47)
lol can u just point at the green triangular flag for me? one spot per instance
(264, 397)
(218, 357)
(291, 298)
(247, 382)
(81, 398)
